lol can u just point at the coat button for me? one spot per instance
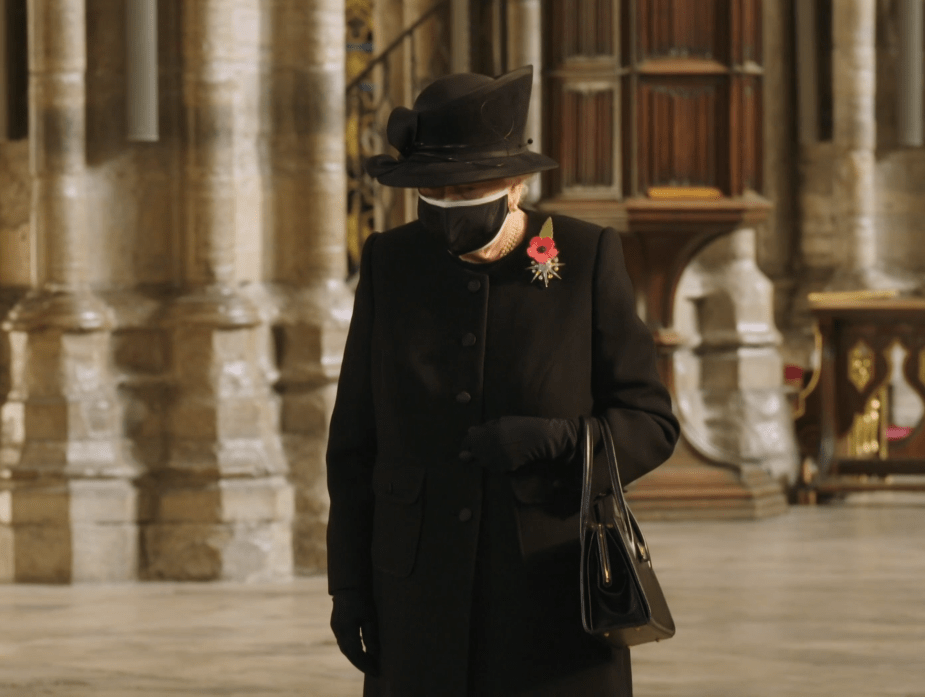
(463, 397)
(465, 515)
(468, 339)
(474, 286)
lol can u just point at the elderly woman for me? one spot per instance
(481, 333)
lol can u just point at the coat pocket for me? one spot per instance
(397, 517)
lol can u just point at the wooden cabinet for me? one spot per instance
(844, 419)
(652, 93)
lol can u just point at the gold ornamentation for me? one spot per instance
(814, 378)
(867, 437)
(838, 296)
(861, 365)
(684, 193)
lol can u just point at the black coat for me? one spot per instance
(437, 345)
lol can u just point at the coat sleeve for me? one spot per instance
(627, 389)
(352, 447)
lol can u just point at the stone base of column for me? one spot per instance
(220, 508)
(232, 529)
(306, 416)
(311, 331)
(691, 487)
(68, 509)
(309, 479)
(68, 532)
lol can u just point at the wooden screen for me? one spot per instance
(652, 93)
(582, 115)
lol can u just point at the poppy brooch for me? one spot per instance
(545, 256)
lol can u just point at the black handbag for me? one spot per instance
(621, 599)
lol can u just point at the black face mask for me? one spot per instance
(464, 226)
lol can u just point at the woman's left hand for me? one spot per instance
(505, 444)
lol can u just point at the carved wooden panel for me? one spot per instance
(681, 127)
(745, 16)
(581, 28)
(585, 119)
(689, 81)
(688, 28)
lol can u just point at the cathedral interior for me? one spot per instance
(182, 206)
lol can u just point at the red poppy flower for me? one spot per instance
(542, 249)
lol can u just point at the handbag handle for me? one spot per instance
(628, 529)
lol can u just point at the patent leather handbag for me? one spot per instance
(621, 599)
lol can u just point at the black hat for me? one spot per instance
(463, 128)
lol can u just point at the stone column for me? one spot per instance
(141, 70)
(221, 507)
(460, 36)
(815, 246)
(525, 47)
(15, 281)
(307, 154)
(807, 72)
(854, 88)
(778, 238)
(67, 505)
(909, 89)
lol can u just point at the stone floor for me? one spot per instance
(822, 601)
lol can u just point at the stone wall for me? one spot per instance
(15, 192)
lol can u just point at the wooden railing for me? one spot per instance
(393, 78)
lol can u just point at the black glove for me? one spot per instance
(355, 613)
(504, 444)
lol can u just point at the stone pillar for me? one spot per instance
(815, 246)
(807, 72)
(141, 70)
(67, 505)
(460, 36)
(221, 506)
(15, 280)
(525, 47)
(778, 237)
(307, 155)
(910, 87)
(854, 88)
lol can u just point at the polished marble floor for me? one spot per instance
(822, 601)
